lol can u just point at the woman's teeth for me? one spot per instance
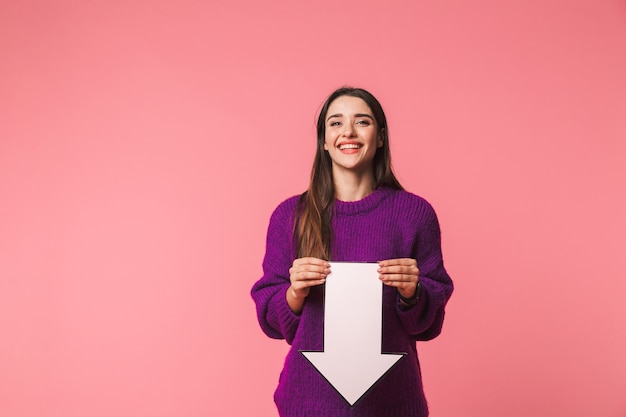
(349, 146)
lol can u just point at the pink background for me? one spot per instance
(144, 144)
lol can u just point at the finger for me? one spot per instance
(402, 278)
(399, 269)
(310, 261)
(398, 261)
(401, 285)
(298, 285)
(395, 263)
(309, 271)
(314, 268)
(307, 276)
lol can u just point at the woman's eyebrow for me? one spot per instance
(356, 115)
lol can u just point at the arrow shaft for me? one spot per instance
(353, 308)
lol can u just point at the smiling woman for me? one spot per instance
(352, 138)
(355, 210)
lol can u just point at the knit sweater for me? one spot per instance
(386, 224)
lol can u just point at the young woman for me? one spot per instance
(354, 210)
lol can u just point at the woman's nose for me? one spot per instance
(348, 130)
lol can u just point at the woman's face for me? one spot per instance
(351, 134)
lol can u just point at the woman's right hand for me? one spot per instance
(304, 274)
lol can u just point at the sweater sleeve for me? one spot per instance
(269, 292)
(424, 320)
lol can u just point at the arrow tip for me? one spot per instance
(352, 375)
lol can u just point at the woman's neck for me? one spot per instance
(353, 187)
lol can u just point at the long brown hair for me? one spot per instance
(312, 227)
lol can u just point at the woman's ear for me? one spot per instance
(379, 143)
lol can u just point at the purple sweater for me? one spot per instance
(386, 224)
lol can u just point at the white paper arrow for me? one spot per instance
(352, 361)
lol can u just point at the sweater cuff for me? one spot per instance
(286, 319)
(415, 308)
(413, 314)
(424, 318)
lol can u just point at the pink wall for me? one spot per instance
(144, 144)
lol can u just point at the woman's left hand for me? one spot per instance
(400, 273)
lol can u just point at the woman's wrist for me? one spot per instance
(296, 295)
(295, 303)
(409, 301)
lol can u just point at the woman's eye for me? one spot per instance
(363, 122)
(335, 123)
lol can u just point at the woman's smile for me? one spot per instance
(350, 147)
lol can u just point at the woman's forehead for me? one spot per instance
(348, 105)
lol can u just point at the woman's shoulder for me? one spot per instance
(289, 203)
(410, 204)
(409, 198)
(286, 209)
